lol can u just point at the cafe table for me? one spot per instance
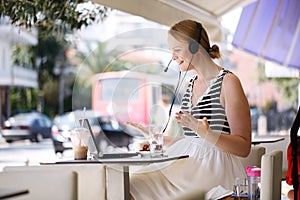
(266, 139)
(234, 198)
(124, 164)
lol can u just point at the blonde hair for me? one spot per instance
(188, 30)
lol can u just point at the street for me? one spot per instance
(27, 153)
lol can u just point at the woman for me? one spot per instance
(215, 117)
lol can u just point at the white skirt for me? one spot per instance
(207, 167)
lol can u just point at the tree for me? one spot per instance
(287, 86)
(42, 57)
(54, 16)
(53, 19)
(95, 60)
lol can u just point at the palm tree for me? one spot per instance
(94, 61)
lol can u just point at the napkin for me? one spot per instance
(217, 192)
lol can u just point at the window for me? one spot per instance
(116, 89)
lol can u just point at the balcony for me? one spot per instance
(12, 75)
(19, 76)
(16, 35)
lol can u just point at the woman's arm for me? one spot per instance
(237, 110)
(168, 140)
(143, 129)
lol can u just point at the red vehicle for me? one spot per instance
(130, 96)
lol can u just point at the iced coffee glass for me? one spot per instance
(156, 141)
(80, 139)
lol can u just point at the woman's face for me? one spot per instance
(180, 53)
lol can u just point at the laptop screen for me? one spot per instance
(94, 149)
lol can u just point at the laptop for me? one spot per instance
(95, 151)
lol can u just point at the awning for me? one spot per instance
(168, 12)
(270, 29)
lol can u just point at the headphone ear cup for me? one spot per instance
(193, 47)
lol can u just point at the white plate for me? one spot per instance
(145, 154)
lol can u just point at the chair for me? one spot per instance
(271, 168)
(46, 185)
(91, 178)
(254, 157)
(282, 146)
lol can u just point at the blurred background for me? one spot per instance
(53, 64)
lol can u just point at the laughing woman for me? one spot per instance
(216, 121)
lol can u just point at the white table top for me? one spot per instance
(125, 161)
(266, 139)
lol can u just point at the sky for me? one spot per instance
(231, 19)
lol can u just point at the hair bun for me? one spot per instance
(215, 48)
(214, 51)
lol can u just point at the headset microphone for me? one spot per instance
(173, 101)
(166, 69)
(178, 85)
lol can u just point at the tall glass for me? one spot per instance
(240, 187)
(156, 141)
(80, 139)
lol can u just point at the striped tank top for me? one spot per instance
(208, 105)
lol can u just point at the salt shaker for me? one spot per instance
(253, 174)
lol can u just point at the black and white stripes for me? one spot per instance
(208, 106)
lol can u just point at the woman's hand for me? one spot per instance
(140, 127)
(168, 140)
(201, 127)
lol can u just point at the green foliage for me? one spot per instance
(53, 19)
(95, 60)
(54, 16)
(288, 87)
(50, 97)
(23, 99)
(98, 60)
(22, 56)
(46, 53)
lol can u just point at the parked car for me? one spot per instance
(62, 126)
(3, 119)
(34, 126)
(106, 130)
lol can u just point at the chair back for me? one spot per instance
(46, 185)
(271, 177)
(254, 157)
(91, 178)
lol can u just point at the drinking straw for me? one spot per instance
(82, 121)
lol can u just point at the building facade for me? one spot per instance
(12, 75)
